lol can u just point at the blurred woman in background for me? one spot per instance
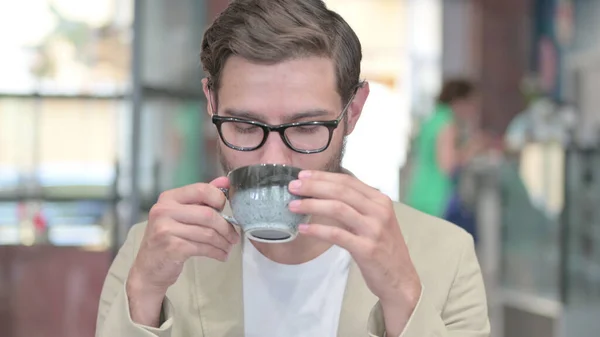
(446, 141)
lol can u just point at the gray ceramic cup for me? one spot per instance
(259, 199)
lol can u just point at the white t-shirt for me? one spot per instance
(293, 300)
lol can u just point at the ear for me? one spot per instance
(209, 99)
(356, 107)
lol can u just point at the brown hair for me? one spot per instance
(273, 31)
(456, 89)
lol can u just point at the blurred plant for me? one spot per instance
(78, 34)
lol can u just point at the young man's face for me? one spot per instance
(297, 90)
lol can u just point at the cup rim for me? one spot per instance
(262, 165)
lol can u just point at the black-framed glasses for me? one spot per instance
(303, 137)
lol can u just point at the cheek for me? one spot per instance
(316, 161)
(320, 161)
(237, 159)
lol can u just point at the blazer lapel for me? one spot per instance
(358, 299)
(356, 305)
(220, 295)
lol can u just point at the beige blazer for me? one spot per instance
(206, 301)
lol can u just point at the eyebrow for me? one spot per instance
(244, 114)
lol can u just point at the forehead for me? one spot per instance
(282, 88)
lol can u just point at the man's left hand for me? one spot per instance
(369, 231)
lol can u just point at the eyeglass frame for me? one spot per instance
(331, 125)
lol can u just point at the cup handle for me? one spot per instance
(228, 218)
(225, 191)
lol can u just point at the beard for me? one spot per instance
(334, 164)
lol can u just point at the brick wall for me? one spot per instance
(50, 291)
(501, 42)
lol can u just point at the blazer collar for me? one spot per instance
(219, 290)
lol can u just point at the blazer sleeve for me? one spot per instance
(465, 313)
(114, 319)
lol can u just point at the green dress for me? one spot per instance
(430, 188)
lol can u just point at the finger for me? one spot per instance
(341, 178)
(204, 235)
(333, 209)
(220, 182)
(329, 190)
(190, 248)
(196, 215)
(197, 194)
(334, 235)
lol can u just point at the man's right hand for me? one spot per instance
(185, 222)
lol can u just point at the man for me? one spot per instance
(364, 266)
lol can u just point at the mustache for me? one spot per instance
(334, 164)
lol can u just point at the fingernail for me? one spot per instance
(295, 204)
(304, 174)
(303, 227)
(294, 185)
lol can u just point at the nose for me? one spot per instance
(274, 151)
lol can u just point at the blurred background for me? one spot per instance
(101, 109)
